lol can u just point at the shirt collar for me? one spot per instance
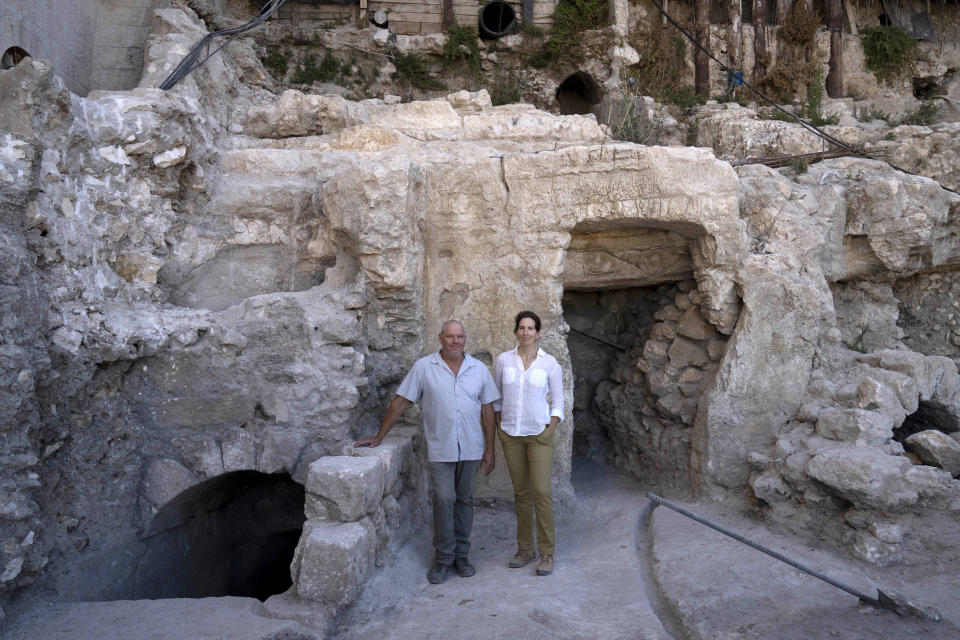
(468, 360)
(540, 352)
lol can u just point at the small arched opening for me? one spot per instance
(642, 352)
(578, 93)
(232, 535)
(12, 57)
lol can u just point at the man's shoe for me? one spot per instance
(464, 568)
(545, 566)
(522, 559)
(438, 574)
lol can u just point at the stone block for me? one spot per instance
(684, 353)
(334, 561)
(164, 480)
(865, 476)
(395, 452)
(692, 325)
(855, 425)
(347, 486)
(936, 449)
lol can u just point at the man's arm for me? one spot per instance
(489, 455)
(395, 409)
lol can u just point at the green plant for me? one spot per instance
(776, 114)
(570, 19)
(869, 115)
(277, 62)
(462, 44)
(813, 108)
(411, 68)
(925, 114)
(662, 64)
(308, 72)
(800, 164)
(890, 136)
(627, 123)
(888, 50)
(531, 30)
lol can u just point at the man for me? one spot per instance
(456, 393)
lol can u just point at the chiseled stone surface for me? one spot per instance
(348, 487)
(333, 560)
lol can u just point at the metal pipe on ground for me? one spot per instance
(889, 601)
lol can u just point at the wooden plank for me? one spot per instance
(405, 28)
(412, 17)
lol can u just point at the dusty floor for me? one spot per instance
(673, 578)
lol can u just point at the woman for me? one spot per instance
(526, 422)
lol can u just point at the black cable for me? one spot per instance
(809, 126)
(189, 62)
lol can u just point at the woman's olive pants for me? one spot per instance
(529, 459)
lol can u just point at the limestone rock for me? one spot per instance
(937, 449)
(333, 560)
(348, 487)
(855, 425)
(164, 480)
(865, 476)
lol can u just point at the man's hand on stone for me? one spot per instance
(368, 442)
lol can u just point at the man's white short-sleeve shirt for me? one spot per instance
(450, 405)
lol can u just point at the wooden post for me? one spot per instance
(735, 11)
(759, 39)
(446, 14)
(701, 63)
(835, 24)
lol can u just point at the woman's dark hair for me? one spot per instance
(526, 314)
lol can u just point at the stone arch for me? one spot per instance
(12, 57)
(578, 93)
(233, 534)
(641, 349)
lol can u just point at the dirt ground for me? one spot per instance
(617, 577)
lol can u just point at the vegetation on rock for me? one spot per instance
(570, 19)
(889, 50)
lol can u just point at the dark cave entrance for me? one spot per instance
(927, 417)
(604, 328)
(642, 352)
(578, 94)
(232, 535)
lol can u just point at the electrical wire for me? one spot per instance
(190, 61)
(807, 125)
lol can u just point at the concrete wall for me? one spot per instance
(92, 44)
(61, 31)
(122, 30)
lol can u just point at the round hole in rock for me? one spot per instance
(12, 57)
(496, 19)
(232, 535)
(578, 93)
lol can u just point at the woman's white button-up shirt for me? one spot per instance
(523, 403)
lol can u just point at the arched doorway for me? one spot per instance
(232, 535)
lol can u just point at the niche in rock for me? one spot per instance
(928, 416)
(232, 535)
(578, 94)
(641, 351)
